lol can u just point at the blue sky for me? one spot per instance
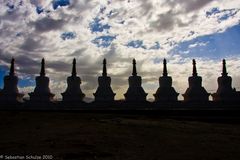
(2, 73)
(215, 46)
(148, 30)
(22, 82)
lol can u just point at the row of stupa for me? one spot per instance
(135, 93)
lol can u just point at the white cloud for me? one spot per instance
(198, 44)
(166, 22)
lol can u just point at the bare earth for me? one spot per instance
(76, 136)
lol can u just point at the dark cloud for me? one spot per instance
(25, 61)
(78, 52)
(112, 55)
(11, 17)
(48, 24)
(169, 20)
(146, 6)
(4, 58)
(35, 2)
(165, 21)
(58, 66)
(30, 44)
(26, 64)
(81, 6)
(188, 6)
(194, 4)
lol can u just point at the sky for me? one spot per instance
(120, 30)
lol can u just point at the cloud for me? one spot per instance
(222, 15)
(48, 24)
(148, 30)
(188, 6)
(30, 44)
(198, 44)
(165, 21)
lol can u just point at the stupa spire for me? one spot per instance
(42, 91)
(135, 91)
(104, 91)
(225, 92)
(194, 68)
(42, 72)
(224, 69)
(74, 72)
(11, 73)
(10, 94)
(165, 92)
(195, 92)
(73, 92)
(104, 73)
(165, 73)
(134, 73)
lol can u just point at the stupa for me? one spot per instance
(73, 92)
(135, 91)
(165, 92)
(42, 91)
(225, 92)
(195, 92)
(104, 91)
(10, 93)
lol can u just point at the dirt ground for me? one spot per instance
(76, 136)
